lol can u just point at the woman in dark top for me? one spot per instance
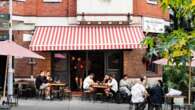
(156, 96)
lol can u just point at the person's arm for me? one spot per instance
(122, 83)
(145, 91)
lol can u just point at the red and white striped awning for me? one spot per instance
(86, 38)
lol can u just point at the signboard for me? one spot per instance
(104, 6)
(27, 37)
(154, 25)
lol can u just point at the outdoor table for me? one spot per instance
(100, 87)
(56, 84)
(99, 90)
(59, 87)
(167, 97)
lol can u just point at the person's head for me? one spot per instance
(125, 77)
(112, 76)
(106, 76)
(48, 73)
(91, 75)
(141, 79)
(160, 83)
(42, 73)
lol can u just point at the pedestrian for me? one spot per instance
(156, 96)
(139, 94)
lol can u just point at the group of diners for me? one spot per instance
(138, 91)
(43, 82)
(110, 83)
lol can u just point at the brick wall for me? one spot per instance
(141, 7)
(133, 65)
(68, 8)
(40, 8)
(22, 66)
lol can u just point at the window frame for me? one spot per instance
(152, 2)
(52, 1)
(20, 0)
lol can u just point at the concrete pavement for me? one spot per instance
(74, 104)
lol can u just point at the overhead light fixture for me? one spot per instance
(110, 22)
(99, 22)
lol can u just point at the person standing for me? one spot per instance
(156, 96)
(139, 94)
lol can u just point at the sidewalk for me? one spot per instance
(74, 104)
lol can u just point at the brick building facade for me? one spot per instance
(39, 13)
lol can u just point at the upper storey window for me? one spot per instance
(52, 0)
(20, 0)
(152, 1)
(104, 6)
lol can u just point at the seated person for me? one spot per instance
(124, 85)
(46, 79)
(88, 82)
(139, 94)
(38, 80)
(113, 84)
(106, 78)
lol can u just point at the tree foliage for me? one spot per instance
(178, 43)
(182, 13)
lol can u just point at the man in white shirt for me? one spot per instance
(88, 82)
(139, 94)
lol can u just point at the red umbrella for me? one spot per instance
(10, 48)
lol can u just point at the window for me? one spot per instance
(52, 0)
(4, 36)
(151, 67)
(152, 1)
(114, 61)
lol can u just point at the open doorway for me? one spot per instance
(96, 64)
(77, 69)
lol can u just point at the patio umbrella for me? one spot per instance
(191, 63)
(164, 61)
(10, 48)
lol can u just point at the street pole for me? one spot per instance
(10, 69)
(189, 83)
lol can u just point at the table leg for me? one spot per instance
(172, 104)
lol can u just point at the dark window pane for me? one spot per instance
(114, 61)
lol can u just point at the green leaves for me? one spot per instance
(176, 77)
(183, 12)
(148, 41)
